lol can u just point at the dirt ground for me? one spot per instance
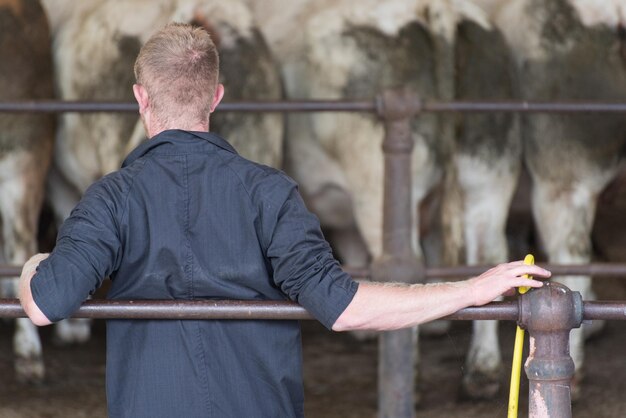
(340, 373)
(340, 377)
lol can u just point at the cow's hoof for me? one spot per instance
(593, 328)
(576, 386)
(29, 370)
(437, 328)
(364, 335)
(481, 385)
(72, 331)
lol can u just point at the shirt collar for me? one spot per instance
(176, 137)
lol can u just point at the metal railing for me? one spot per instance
(61, 106)
(548, 313)
(566, 310)
(276, 310)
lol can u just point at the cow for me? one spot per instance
(26, 143)
(94, 52)
(354, 50)
(488, 160)
(347, 49)
(568, 50)
(95, 44)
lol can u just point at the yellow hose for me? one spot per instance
(517, 355)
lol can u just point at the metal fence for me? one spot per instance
(548, 313)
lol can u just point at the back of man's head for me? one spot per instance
(179, 68)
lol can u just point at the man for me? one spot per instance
(187, 218)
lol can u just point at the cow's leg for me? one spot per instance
(325, 182)
(72, 331)
(21, 189)
(488, 163)
(324, 186)
(487, 187)
(63, 198)
(564, 215)
(356, 143)
(334, 205)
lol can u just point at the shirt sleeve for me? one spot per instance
(87, 250)
(303, 263)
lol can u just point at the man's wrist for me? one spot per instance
(470, 288)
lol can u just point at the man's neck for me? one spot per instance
(156, 129)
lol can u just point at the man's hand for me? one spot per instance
(30, 267)
(503, 280)
(25, 295)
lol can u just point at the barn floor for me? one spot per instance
(340, 377)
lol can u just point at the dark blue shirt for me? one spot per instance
(188, 218)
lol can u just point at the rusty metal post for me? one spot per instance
(397, 349)
(550, 313)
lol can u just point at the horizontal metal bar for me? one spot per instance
(502, 311)
(275, 310)
(174, 309)
(301, 106)
(523, 107)
(604, 310)
(59, 106)
(9, 271)
(226, 309)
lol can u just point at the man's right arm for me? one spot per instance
(306, 271)
(382, 306)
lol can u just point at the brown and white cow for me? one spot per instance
(488, 162)
(568, 50)
(94, 52)
(354, 50)
(25, 153)
(95, 46)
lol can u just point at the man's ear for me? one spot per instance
(141, 95)
(217, 98)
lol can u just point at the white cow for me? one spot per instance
(25, 152)
(355, 49)
(488, 162)
(94, 51)
(95, 46)
(568, 50)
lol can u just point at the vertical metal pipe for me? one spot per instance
(550, 313)
(398, 263)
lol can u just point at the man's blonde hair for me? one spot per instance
(179, 68)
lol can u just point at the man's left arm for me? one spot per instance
(25, 294)
(87, 250)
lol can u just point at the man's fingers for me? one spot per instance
(519, 268)
(530, 283)
(510, 292)
(531, 271)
